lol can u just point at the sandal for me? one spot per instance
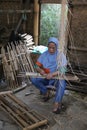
(57, 108)
(46, 97)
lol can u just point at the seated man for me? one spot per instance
(48, 66)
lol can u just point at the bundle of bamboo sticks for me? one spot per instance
(28, 40)
(16, 59)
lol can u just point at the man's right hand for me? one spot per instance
(42, 72)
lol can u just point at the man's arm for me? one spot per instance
(40, 70)
(61, 71)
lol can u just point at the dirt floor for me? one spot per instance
(72, 117)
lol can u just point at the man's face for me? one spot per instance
(51, 47)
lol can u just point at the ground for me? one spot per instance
(73, 116)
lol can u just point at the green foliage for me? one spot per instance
(50, 22)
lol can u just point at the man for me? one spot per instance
(48, 66)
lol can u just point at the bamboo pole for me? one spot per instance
(7, 92)
(36, 125)
(36, 21)
(4, 62)
(24, 59)
(30, 62)
(37, 75)
(62, 33)
(6, 67)
(62, 25)
(13, 63)
(16, 57)
(12, 68)
(20, 59)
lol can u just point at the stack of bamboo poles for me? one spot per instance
(28, 40)
(24, 116)
(16, 59)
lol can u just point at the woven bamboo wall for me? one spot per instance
(78, 27)
(9, 20)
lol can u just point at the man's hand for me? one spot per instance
(42, 72)
(49, 76)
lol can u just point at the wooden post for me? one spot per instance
(62, 25)
(62, 31)
(36, 21)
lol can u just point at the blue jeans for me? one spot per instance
(41, 84)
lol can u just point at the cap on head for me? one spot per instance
(54, 40)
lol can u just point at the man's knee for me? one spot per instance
(33, 80)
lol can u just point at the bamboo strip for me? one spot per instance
(29, 44)
(14, 60)
(20, 59)
(37, 75)
(28, 58)
(16, 57)
(24, 58)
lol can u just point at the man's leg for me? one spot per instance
(60, 87)
(40, 83)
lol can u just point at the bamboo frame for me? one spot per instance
(25, 117)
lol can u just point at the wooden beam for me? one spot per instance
(15, 11)
(79, 3)
(78, 48)
(62, 26)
